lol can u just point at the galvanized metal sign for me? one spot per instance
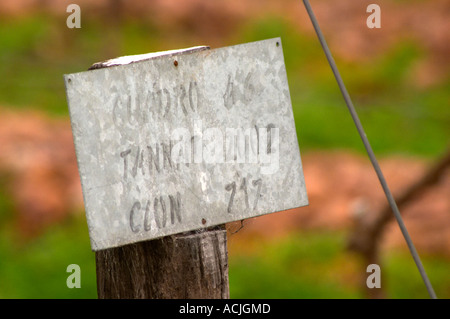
(183, 142)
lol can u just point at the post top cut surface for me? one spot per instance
(128, 59)
(177, 143)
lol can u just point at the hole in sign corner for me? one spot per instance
(203, 221)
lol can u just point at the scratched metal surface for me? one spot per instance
(125, 121)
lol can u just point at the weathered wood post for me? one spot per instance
(190, 265)
(170, 147)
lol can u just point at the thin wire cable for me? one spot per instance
(369, 150)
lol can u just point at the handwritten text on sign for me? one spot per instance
(183, 142)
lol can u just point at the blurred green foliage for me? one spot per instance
(37, 50)
(315, 265)
(37, 268)
(398, 117)
(303, 265)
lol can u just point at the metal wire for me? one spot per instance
(369, 150)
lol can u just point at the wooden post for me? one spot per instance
(192, 265)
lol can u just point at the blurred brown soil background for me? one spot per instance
(37, 155)
(347, 33)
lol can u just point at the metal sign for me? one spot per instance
(182, 142)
